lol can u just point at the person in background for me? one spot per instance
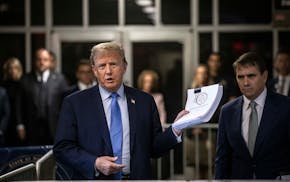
(4, 115)
(214, 63)
(281, 83)
(111, 131)
(254, 129)
(85, 77)
(13, 71)
(200, 78)
(43, 90)
(148, 81)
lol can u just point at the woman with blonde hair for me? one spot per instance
(148, 82)
(13, 72)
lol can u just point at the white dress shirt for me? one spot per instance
(122, 101)
(286, 85)
(83, 86)
(260, 101)
(45, 76)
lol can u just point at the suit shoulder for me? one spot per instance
(82, 94)
(137, 93)
(278, 98)
(233, 103)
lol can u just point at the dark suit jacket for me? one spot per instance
(272, 85)
(72, 89)
(83, 133)
(56, 86)
(4, 113)
(272, 147)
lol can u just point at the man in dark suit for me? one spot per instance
(281, 83)
(43, 93)
(254, 129)
(85, 77)
(88, 140)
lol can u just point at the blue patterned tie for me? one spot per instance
(116, 131)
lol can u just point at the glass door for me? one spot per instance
(70, 48)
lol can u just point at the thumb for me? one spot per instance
(112, 159)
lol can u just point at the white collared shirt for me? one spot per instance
(45, 76)
(122, 101)
(286, 85)
(260, 101)
(83, 86)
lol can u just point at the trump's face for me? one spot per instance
(109, 70)
(251, 82)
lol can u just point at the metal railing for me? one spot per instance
(199, 143)
(27, 172)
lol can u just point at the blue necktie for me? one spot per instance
(116, 130)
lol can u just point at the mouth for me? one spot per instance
(109, 80)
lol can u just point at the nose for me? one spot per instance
(108, 69)
(246, 81)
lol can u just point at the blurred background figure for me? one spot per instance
(200, 78)
(43, 92)
(148, 81)
(13, 71)
(4, 114)
(85, 77)
(214, 63)
(281, 83)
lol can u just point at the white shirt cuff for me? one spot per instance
(178, 138)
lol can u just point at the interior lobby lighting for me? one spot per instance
(144, 2)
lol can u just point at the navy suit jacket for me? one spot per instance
(272, 147)
(83, 134)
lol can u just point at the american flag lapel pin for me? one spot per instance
(133, 101)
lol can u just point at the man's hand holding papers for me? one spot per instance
(201, 104)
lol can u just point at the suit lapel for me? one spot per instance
(131, 102)
(267, 121)
(101, 120)
(238, 123)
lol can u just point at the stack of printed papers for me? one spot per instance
(201, 104)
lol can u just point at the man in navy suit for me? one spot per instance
(254, 129)
(83, 139)
(281, 83)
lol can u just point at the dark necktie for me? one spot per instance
(116, 131)
(42, 99)
(253, 127)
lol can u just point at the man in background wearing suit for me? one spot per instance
(281, 83)
(111, 131)
(85, 77)
(254, 129)
(43, 92)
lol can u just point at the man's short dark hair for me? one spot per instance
(251, 59)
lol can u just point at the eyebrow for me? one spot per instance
(247, 75)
